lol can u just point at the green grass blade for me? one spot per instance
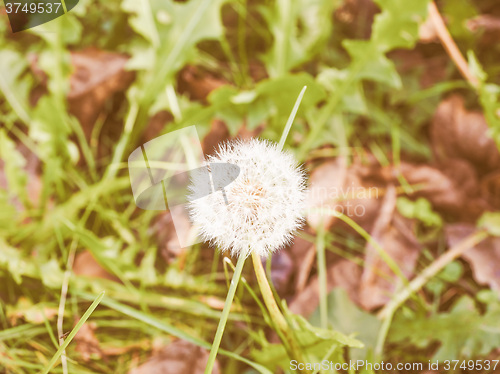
(171, 330)
(291, 118)
(225, 314)
(74, 332)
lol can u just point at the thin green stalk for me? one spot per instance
(215, 263)
(381, 252)
(169, 329)
(242, 52)
(416, 284)
(291, 118)
(320, 252)
(253, 294)
(382, 335)
(73, 332)
(327, 111)
(225, 314)
(432, 270)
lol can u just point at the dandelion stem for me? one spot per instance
(225, 314)
(274, 311)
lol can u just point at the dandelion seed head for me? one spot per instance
(262, 207)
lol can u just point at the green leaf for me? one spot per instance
(14, 87)
(280, 95)
(14, 164)
(490, 222)
(463, 332)
(489, 97)
(8, 213)
(172, 29)
(420, 209)
(271, 98)
(51, 274)
(371, 63)
(353, 100)
(452, 272)
(458, 12)
(13, 261)
(316, 344)
(142, 19)
(347, 318)
(299, 29)
(398, 24)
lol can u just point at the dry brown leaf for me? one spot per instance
(459, 133)
(86, 265)
(484, 258)
(281, 270)
(484, 21)
(87, 343)
(177, 357)
(217, 134)
(97, 75)
(353, 190)
(167, 234)
(395, 235)
(304, 268)
(364, 188)
(490, 188)
(456, 192)
(343, 273)
(198, 83)
(326, 181)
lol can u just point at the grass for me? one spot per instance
(64, 187)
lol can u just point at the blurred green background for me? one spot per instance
(385, 106)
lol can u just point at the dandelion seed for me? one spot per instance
(261, 209)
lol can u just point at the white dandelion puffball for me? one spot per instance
(261, 209)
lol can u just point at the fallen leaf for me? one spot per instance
(168, 234)
(326, 181)
(25, 309)
(349, 319)
(484, 258)
(344, 274)
(218, 133)
(198, 83)
(87, 343)
(459, 133)
(484, 21)
(177, 357)
(86, 265)
(395, 235)
(456, 193)
(281, 271)
(304, 268)
(490, 188)
(97, 75)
